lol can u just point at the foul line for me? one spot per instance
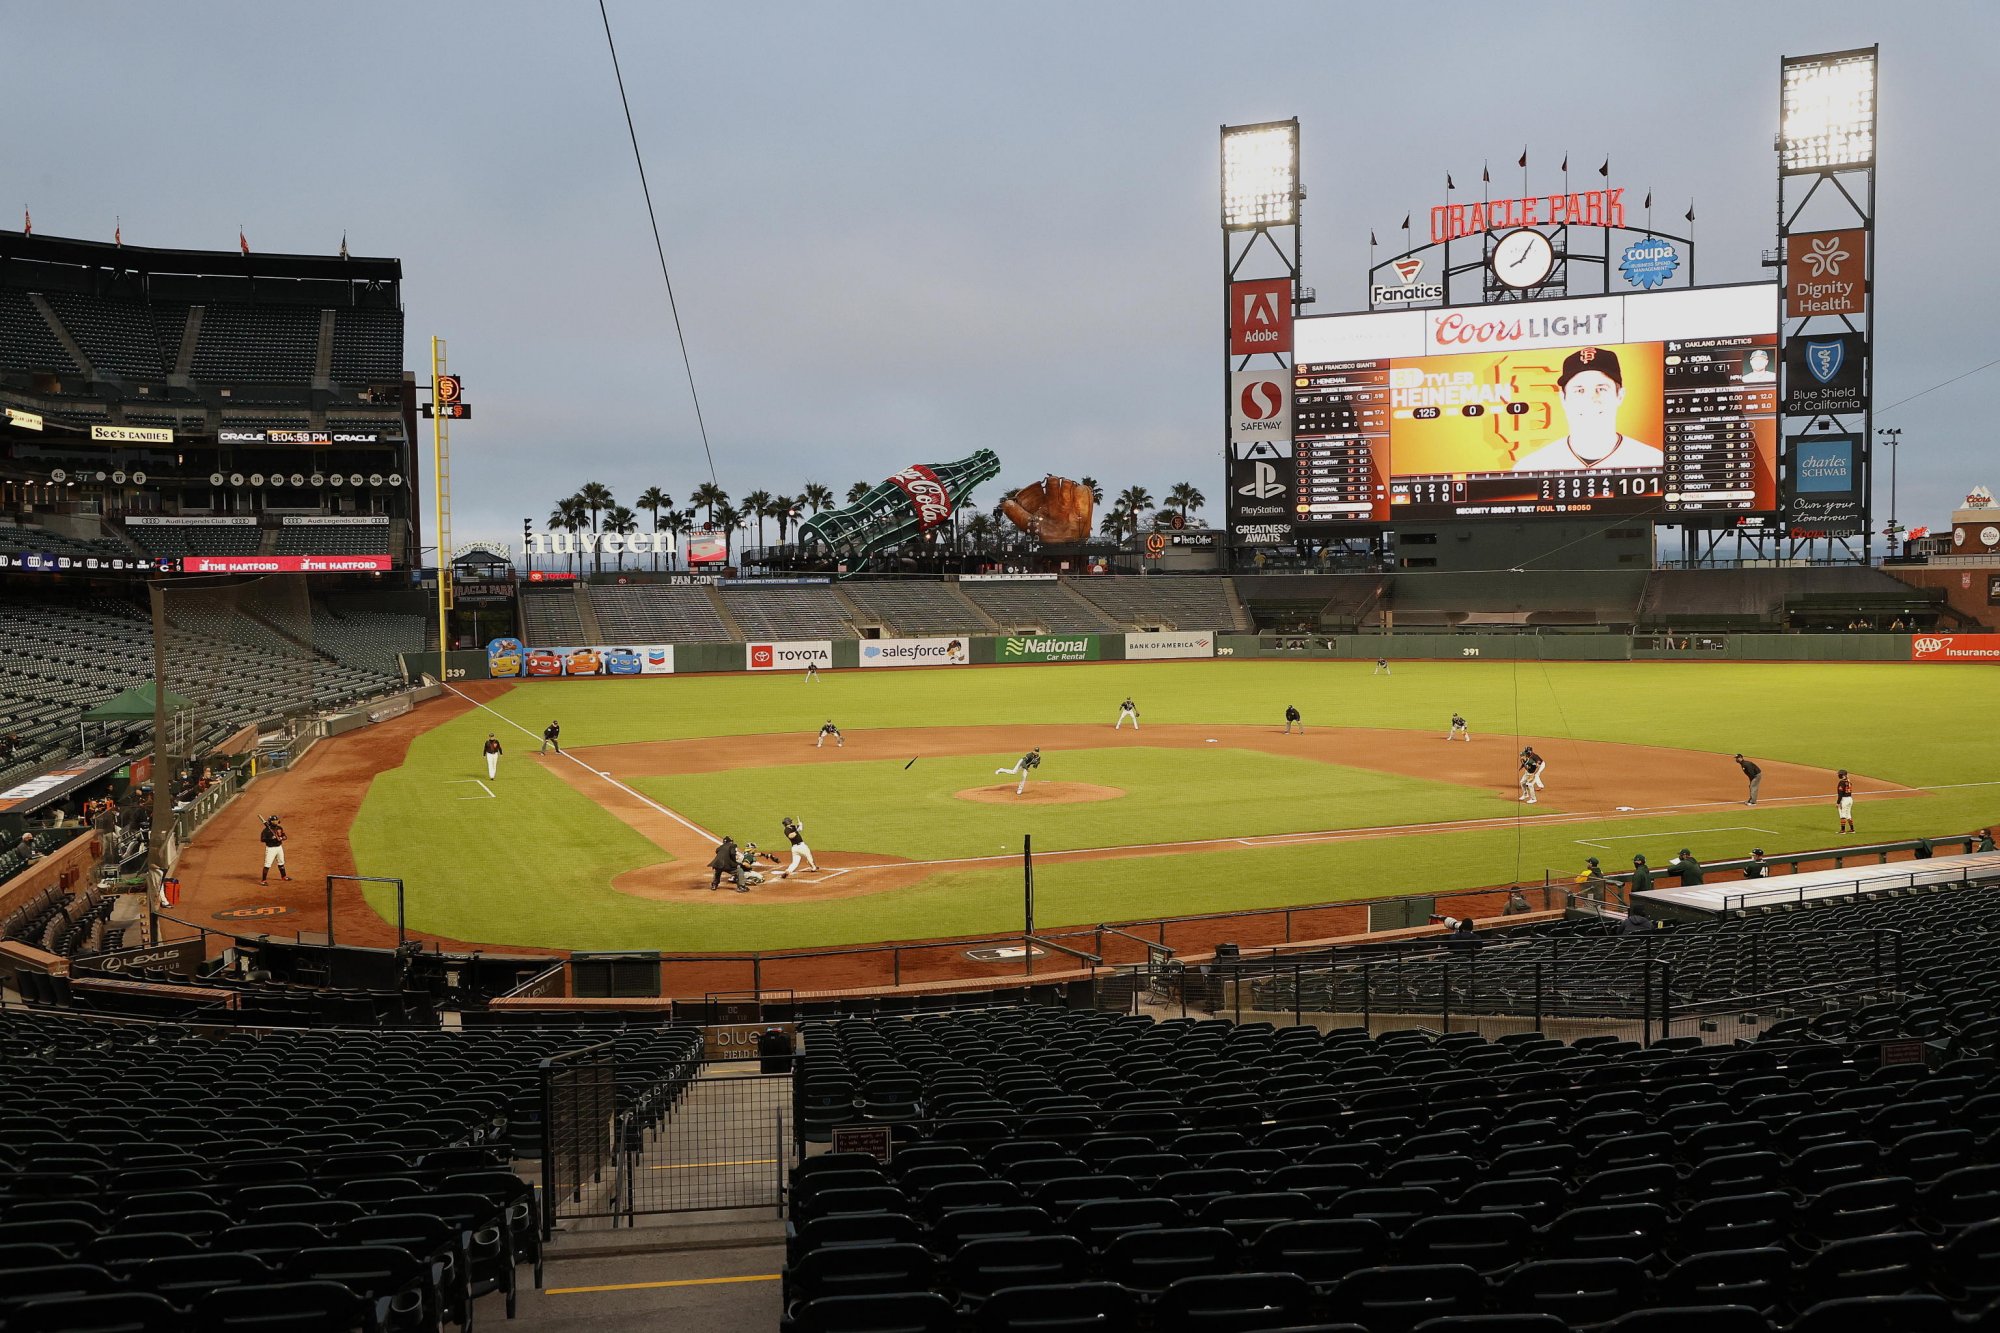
(1674, 833)
(643, 799)
(489, 796)
(654, 1286)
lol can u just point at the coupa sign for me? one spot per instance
(790, 656)
(1051, 648)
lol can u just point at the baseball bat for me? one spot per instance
(913, 759)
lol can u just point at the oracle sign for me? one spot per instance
(1260, 316)
(285, 564)
(927, 494)
(795, 656)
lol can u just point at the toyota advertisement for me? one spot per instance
(794, 656)
(1647, 403)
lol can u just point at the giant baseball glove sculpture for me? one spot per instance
(1054, 509)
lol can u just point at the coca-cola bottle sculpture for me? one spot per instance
(907, 505)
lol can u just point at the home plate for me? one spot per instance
(1211, 740)
(1625, 808)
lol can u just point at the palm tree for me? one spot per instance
(624, 522)
(1184, 497)
(757, 505)
(1135, 500)
(784, 509)
(1094, 486)
(708, 496)
(1113, 524)
(596, 497)
(857, 490)
(727, 518)
(816, 497)
(680, 522)
(653, 500)
(979, 531)
(569, 516)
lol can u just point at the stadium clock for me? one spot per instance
(1522, 258)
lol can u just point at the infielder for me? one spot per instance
(551, 735)
(1541, 765)
(492, 751)
(1752, 772)
(1458, 730)
(1528, 769)
(273, 838)
(1125, 710)
(795, 833)
(1292, 718)
(1027, 764)
(1843, 799)
(1382, 667)
(839, 741)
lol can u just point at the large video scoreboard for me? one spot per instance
(1662, 403)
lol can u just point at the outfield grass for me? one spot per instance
(1172, 795)
(534, 866)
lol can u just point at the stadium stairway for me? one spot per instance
(593, 632)
(722, 612)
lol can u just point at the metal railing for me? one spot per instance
(579, 1114)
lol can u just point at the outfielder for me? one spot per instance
(839, 741)
(1382, 667)
(273, 838)
(1754, 774)
(795, 833)
(812, 672)
(1125, 710)
(1027, 764)
(1292, 718)
(551, 735)
(492, 750)
(1458, 730)
(1843, 799)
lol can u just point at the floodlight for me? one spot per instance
(1827, 120)
(1260, 175)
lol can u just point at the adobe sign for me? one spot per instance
(1826, 273)
(1260, 316)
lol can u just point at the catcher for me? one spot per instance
(1053, 510)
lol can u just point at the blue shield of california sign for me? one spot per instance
(1825, 374)
(1823, 358)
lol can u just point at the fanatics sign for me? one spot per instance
(1260, 316)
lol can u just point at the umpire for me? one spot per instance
(726, 861)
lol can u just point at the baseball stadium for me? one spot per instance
(1520, 865)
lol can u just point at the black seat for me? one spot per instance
(118, 1312)
(1398, 1298)
(1579, 1291)
(1225, 1303)
(982, 1267)
(1884, 1265)
(1681, 1318)
(1878, 1314)
(1149, 1260)
(1076, 1307)
(293, 1307)
(1484, 1242)
(1757, 1278)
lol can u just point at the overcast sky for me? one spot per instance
(900, 232)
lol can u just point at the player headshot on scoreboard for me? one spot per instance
(1757, 367)
(1592, 388)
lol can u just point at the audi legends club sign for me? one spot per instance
(1260, 316)
(285, 564)
(914, 652)
(794, 656)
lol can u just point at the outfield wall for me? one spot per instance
(684, 659)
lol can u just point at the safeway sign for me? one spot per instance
(1260, 407)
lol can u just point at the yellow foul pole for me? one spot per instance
(441, 493)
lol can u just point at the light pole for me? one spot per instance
(1893, 437)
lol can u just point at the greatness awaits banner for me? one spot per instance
(1051, 648)
(914, 652)
(1158, 647)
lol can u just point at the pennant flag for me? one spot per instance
(1523, 163)
(1406, 222)
(118, 233)
(1605, 170)
(242, 241)
(1485, 175)
(1371, 238)
(1449, 184)
(1690, 212)
(27, 223)
(343, 245)
(1649, 199)
(1565, 164)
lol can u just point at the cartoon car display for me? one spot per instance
(622, 662)
(542, 662)
(584, 662)
(503, 658)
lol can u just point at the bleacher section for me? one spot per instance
(367, 347)
(1169, 603)
(118, 337)
(1059, 1168)
(158, 1178)
(63, 923)
(368, 631)
(174, 540)
(654, 613)
(550, 619)
(787, 613)
(257, 344)
(913, 607)
(26, 343)
(364, 536)
(18, 539)
(1768, 598)
(1043, 605)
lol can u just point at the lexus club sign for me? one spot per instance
(1260, 407)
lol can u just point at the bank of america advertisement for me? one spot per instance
(1162, 647)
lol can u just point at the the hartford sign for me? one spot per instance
(285, 564)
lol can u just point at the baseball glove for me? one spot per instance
(1054, 509)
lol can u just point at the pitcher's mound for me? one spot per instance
(1041, 793)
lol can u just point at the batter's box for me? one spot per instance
(1601, 843)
